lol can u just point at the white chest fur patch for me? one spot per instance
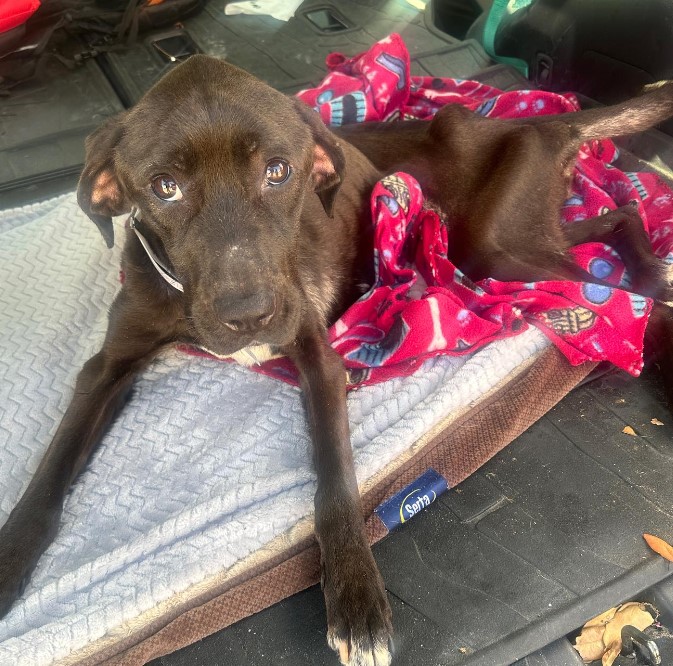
(253, 355)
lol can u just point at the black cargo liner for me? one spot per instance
(545, 535)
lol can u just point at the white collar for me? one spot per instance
(156, 262)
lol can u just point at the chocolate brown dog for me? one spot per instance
(252, 230)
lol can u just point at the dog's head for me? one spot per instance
(220, 166)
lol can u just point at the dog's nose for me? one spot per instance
(247, 313)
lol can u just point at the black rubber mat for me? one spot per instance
(43, 125)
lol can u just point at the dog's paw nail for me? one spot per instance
(340, 646)
(344, 652)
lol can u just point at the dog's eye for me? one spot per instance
(277, 172)
(166, 188)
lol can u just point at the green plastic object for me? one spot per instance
(499, 10)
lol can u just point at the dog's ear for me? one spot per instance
(329, 162)
(99, 192)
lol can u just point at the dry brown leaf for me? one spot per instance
(601, 637)
(628, 430)
(634, 614)
(590, 643)
(659, 546)
(656, 422)
(611, 653)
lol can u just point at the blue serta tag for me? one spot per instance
(405, 504)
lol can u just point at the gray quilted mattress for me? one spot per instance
(207, 466)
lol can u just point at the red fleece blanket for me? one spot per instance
(421, 305)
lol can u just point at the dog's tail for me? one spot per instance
(653, 106)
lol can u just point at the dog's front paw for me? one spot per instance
(359, 620)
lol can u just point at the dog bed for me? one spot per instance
(196, 509)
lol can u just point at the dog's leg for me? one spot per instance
(101, 388)
(358, 614)
(623, 230)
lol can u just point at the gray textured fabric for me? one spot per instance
(206, 464)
